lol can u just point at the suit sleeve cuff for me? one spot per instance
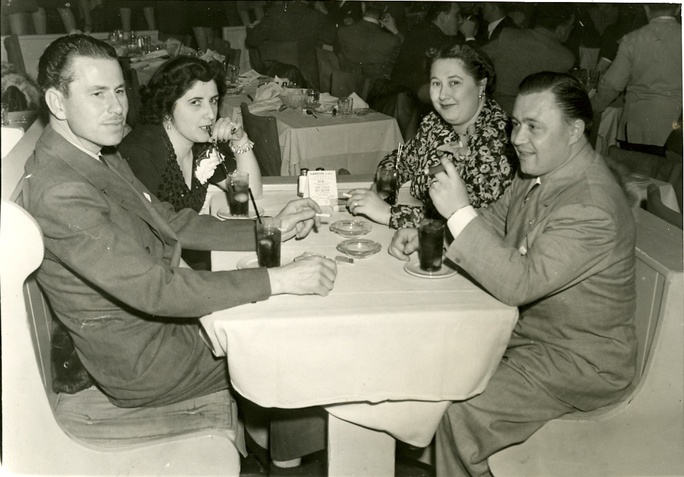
(460, 219)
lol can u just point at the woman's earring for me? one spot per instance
(481, 94)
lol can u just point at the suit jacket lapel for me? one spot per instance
(109, 180)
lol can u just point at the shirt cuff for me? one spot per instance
(460, 219)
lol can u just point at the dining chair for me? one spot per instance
(234, 57)
(263, 130)
(344, 83)
(655, 205)
(327, 62)
(44, 431)
(668, 168)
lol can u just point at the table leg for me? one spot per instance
(355, 451)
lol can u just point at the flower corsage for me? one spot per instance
(207, 164)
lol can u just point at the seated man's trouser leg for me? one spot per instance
(510, 410)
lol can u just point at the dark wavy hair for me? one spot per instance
(54, 66)
(571, 97)
(477, 63)
(172, 80)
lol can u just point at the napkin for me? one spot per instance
(358, 102)
(249, 76)
(270, 104)
(279, 81)
(326, 98)
(268, 91)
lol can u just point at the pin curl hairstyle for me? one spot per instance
(477, 64)
(172, 80)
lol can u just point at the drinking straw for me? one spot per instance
(396, 159)
(256, 209)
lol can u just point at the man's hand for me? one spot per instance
(310, 276)
(298, 218)
(448, 192)
(367, 202)
(389, 23)
(404, 243)
(469, 27)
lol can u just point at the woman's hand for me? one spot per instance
(298, 218)
(448, 192)
(367, 202)
(404, 243)
(226, 130)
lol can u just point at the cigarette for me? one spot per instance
(323, 215)
(340, 258)
(431, 171)
(346, 194)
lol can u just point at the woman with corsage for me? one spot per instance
(466, 125)
(179, 146)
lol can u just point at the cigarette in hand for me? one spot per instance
(431, 171)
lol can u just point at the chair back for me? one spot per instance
(654, 204)
(234, 57)
(263, 130)
(13, 163)
(283, 51)
(327, 62)
(344, 83)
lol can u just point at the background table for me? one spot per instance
(356, 143)
(385, 350)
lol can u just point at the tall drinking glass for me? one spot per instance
(431, 244)
(387, 183)
(238, 199)
(268, 241)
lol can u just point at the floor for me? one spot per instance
(314, 466)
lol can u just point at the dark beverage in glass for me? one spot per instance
(268, 242)
(239, 196)
(431, 244)
(387, 184)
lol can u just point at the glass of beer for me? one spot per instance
(268, 241)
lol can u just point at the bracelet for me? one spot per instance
(241, 148)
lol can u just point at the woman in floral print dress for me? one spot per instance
(466, 126)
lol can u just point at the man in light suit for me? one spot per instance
(648, 68)
(559, 245)
(112, 269)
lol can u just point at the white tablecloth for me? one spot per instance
(356, 143)
(385, 349)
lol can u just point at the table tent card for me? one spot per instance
(323, 189)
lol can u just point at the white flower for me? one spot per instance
(207, 165)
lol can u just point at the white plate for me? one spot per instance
(224, 213)
(413, 268)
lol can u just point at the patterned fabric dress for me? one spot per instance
(487, 168)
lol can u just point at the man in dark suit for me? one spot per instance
(495, 20)
(112, 269)
(519, 53)
(439, 28)
(371, 45)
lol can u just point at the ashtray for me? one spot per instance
(359, 248)
(350, 228)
